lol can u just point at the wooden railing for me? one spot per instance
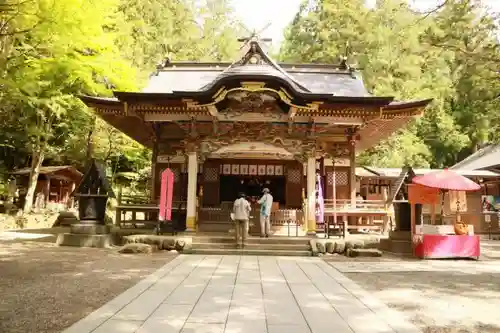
(366, 214)
(138, 210)
(210, 214)
(345, 206)
(280, 217)
(124, 199)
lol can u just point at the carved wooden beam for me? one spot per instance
(290, 126)
(130, 112)
(312, 127)
(212, 109)
(215, 126)
(192, 128)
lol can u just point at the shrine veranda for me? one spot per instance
(253, 123)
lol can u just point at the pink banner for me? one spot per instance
(166, 194)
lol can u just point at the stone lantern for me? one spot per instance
(92, 195)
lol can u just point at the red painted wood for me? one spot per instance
(446, 246)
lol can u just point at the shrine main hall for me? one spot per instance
(229, 127)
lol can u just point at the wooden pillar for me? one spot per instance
(352, 183)
(412, 220)
(311, 195)
(191, 192)
(154, 160)
(387, 207)
(47, 192)
(72, 199)
(118, 211)
(352, 172)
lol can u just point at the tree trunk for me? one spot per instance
(89, 141)
(36, 162)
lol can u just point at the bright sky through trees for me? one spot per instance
(256, 14)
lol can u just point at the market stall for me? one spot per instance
(443, 241)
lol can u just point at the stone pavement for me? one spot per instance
(233, 294)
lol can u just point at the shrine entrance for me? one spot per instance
(255, 119)
(250, 167)
(252, 186)
(223, 179)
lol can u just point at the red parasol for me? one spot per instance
(446, 180)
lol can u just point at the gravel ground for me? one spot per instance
(45, 289)
(445, 296)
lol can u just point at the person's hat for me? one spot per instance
(265, 190)
(241, 195)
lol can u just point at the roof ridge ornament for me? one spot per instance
(254, 54)
(254, 35)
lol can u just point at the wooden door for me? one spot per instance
(294, 176)
(211, 183)
(342, 183)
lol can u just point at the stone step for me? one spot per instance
(68, 221)
(400, 235)
(385, 244)
(252, 240)
(214, 227)
(254, 246)
(84, 240)
(400, 246)
(282, 230)
(253, 252)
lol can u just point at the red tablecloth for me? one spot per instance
(446, 246)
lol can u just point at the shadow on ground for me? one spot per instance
(448, 296)
(45, 288)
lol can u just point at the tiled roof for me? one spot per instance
(45, 170)
(485, 158)
(316, 80)
(395, 172)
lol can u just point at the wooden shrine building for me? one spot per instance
(254, 123)
(53, 188)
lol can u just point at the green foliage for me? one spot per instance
(193, 30)
(404, 149)
(53, 51)
(450, 54)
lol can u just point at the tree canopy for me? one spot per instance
(53, 51)
(450, 54)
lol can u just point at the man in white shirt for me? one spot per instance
(241, 211)
(266, 203)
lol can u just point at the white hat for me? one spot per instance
(265, 190)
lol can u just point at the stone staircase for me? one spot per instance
(273, 246)
(227, 228)
(215, 226)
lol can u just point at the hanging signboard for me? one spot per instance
(457, 201)
(166, 195)
(490, 203)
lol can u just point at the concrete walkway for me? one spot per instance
(232, 294)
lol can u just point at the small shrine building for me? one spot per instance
(229, 127)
